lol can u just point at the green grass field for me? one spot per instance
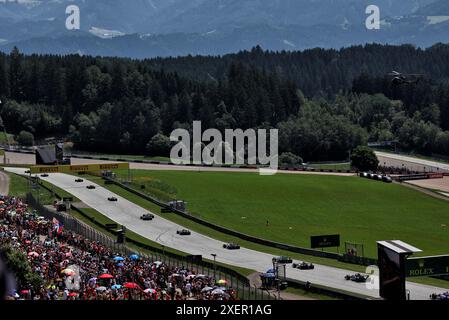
(331, 166)
(299, 206)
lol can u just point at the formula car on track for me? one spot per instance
(44, 175)
(91, 187)
(357, 277)
(183, 232)
(442, 296)
(231, 246)
(79, 180)
(303, 266)
(147, 217)
(113, 199)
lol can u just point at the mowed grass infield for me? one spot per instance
(298, 206)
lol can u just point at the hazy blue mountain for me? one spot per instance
(147, 28)
(436, 8)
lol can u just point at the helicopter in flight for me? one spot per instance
(402, 78)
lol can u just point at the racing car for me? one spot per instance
(231, 246)
(357, 277)
(79, 180)
(44, 175)
(442, 296)
(113, 199)
(303, 266)
(387, 179)
(183, 232)
(147, 217)
(91, 187)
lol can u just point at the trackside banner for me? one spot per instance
(427, 266)
(421, 176)
(79, 168)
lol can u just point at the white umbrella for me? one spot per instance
(149, 291)
(218, 291)
(206, 289)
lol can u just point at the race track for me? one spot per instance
(412, 163)
(163, 231)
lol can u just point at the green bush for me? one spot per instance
(25, 138)
(364, 159)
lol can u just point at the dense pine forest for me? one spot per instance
(325, 102)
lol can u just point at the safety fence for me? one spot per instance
(234, 280)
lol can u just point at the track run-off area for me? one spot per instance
(163, 232)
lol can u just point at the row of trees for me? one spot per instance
(123, 105)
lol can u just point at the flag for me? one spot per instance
(57, 226)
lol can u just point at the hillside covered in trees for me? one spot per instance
(325, 102)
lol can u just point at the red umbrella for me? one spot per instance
(131, 285)
(106, 276)
(73, 294)
(24, 291)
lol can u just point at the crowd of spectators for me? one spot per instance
(74, 268)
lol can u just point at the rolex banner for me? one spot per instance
(325, 241)
(427, 266)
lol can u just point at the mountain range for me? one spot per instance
(149, 28)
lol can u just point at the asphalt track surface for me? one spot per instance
(412, 163)
(163, 231)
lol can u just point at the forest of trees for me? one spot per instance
(325, 102)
